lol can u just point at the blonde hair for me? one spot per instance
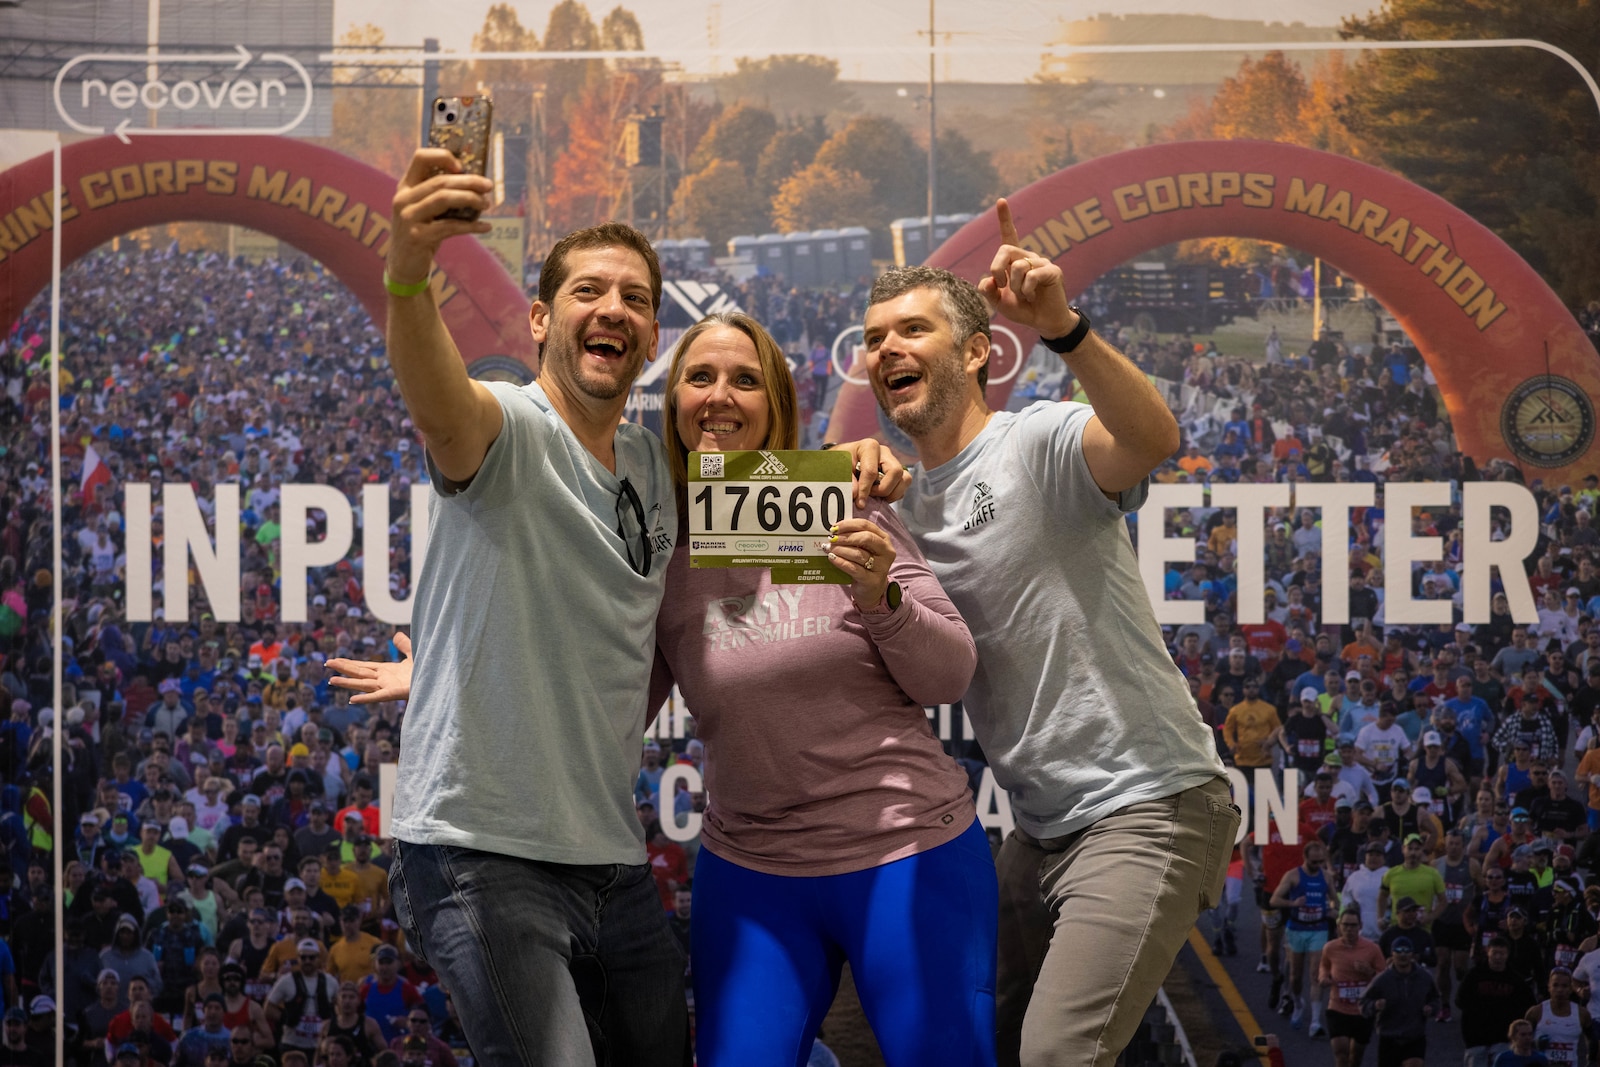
(783, 426)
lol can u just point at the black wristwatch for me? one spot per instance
(1072, 340)
(892, 598)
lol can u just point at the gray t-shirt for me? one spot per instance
(1076, 701)
(535, 639)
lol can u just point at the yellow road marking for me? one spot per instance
(1230, 992)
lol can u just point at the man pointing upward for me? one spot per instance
(1124, 821)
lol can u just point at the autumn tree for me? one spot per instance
(1509, 135)
(1327, 95)
(789, 152)
(376, 116)
(884, 153)
(967, 178)
(821, 197)
(739, 134)
(503, 31)
(1059, 123)
(570, 29)
(589, 179)
(620, 32)
(719, 202)
(788, 86)
(1261, 102)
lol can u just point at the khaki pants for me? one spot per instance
(1090, 923)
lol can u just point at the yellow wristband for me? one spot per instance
(405, 289)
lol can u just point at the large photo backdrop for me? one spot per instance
(1360, 268)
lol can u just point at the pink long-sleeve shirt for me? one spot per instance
(819, 757)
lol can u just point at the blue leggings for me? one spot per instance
(919, 933)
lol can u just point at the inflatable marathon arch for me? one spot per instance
(329, 206)
(1517, 373)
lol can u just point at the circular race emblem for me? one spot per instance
(1547, 421)
(501, 369)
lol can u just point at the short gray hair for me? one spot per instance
(959, 299)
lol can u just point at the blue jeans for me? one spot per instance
(919, 934)
(548, 964)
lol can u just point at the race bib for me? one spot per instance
(1566, 956)
(1310, 747)
(769, 509)
(1350, 992)
(1454, 893)
(1308, 915)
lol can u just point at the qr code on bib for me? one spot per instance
(710, 466)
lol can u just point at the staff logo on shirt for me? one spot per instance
(983, 506)
(660, 540)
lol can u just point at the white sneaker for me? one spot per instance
(1319, 1026)
(1263, 967)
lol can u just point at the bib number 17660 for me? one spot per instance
(784, 508)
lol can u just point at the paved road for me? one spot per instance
(1445, 1046)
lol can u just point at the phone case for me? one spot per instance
(466, 137)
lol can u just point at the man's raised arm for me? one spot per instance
(458, 418)
(1132, 430)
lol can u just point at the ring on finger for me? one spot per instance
(868, 563)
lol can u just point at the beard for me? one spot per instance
(565, 354)
(943, 382)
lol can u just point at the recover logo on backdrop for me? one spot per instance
(194, 92)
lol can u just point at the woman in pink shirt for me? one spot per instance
(837, 828)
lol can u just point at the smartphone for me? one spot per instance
(460, 126)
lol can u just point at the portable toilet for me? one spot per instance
(829, 252)
(857, 243)
(667, 251)
(742, 247)
(802, 259)
(910, 236)
(772, 254)
(695, 253)
(944, 226)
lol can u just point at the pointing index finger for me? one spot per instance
(1008, 229)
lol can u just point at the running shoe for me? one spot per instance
(1298, 1015)
(1263, 967)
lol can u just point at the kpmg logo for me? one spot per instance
(791, 546)
(190, 87)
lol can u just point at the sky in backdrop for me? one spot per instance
(874, 40)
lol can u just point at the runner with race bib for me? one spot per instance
(1349, 963)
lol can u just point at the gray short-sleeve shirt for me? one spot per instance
(535, 637)
(1076, 701)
